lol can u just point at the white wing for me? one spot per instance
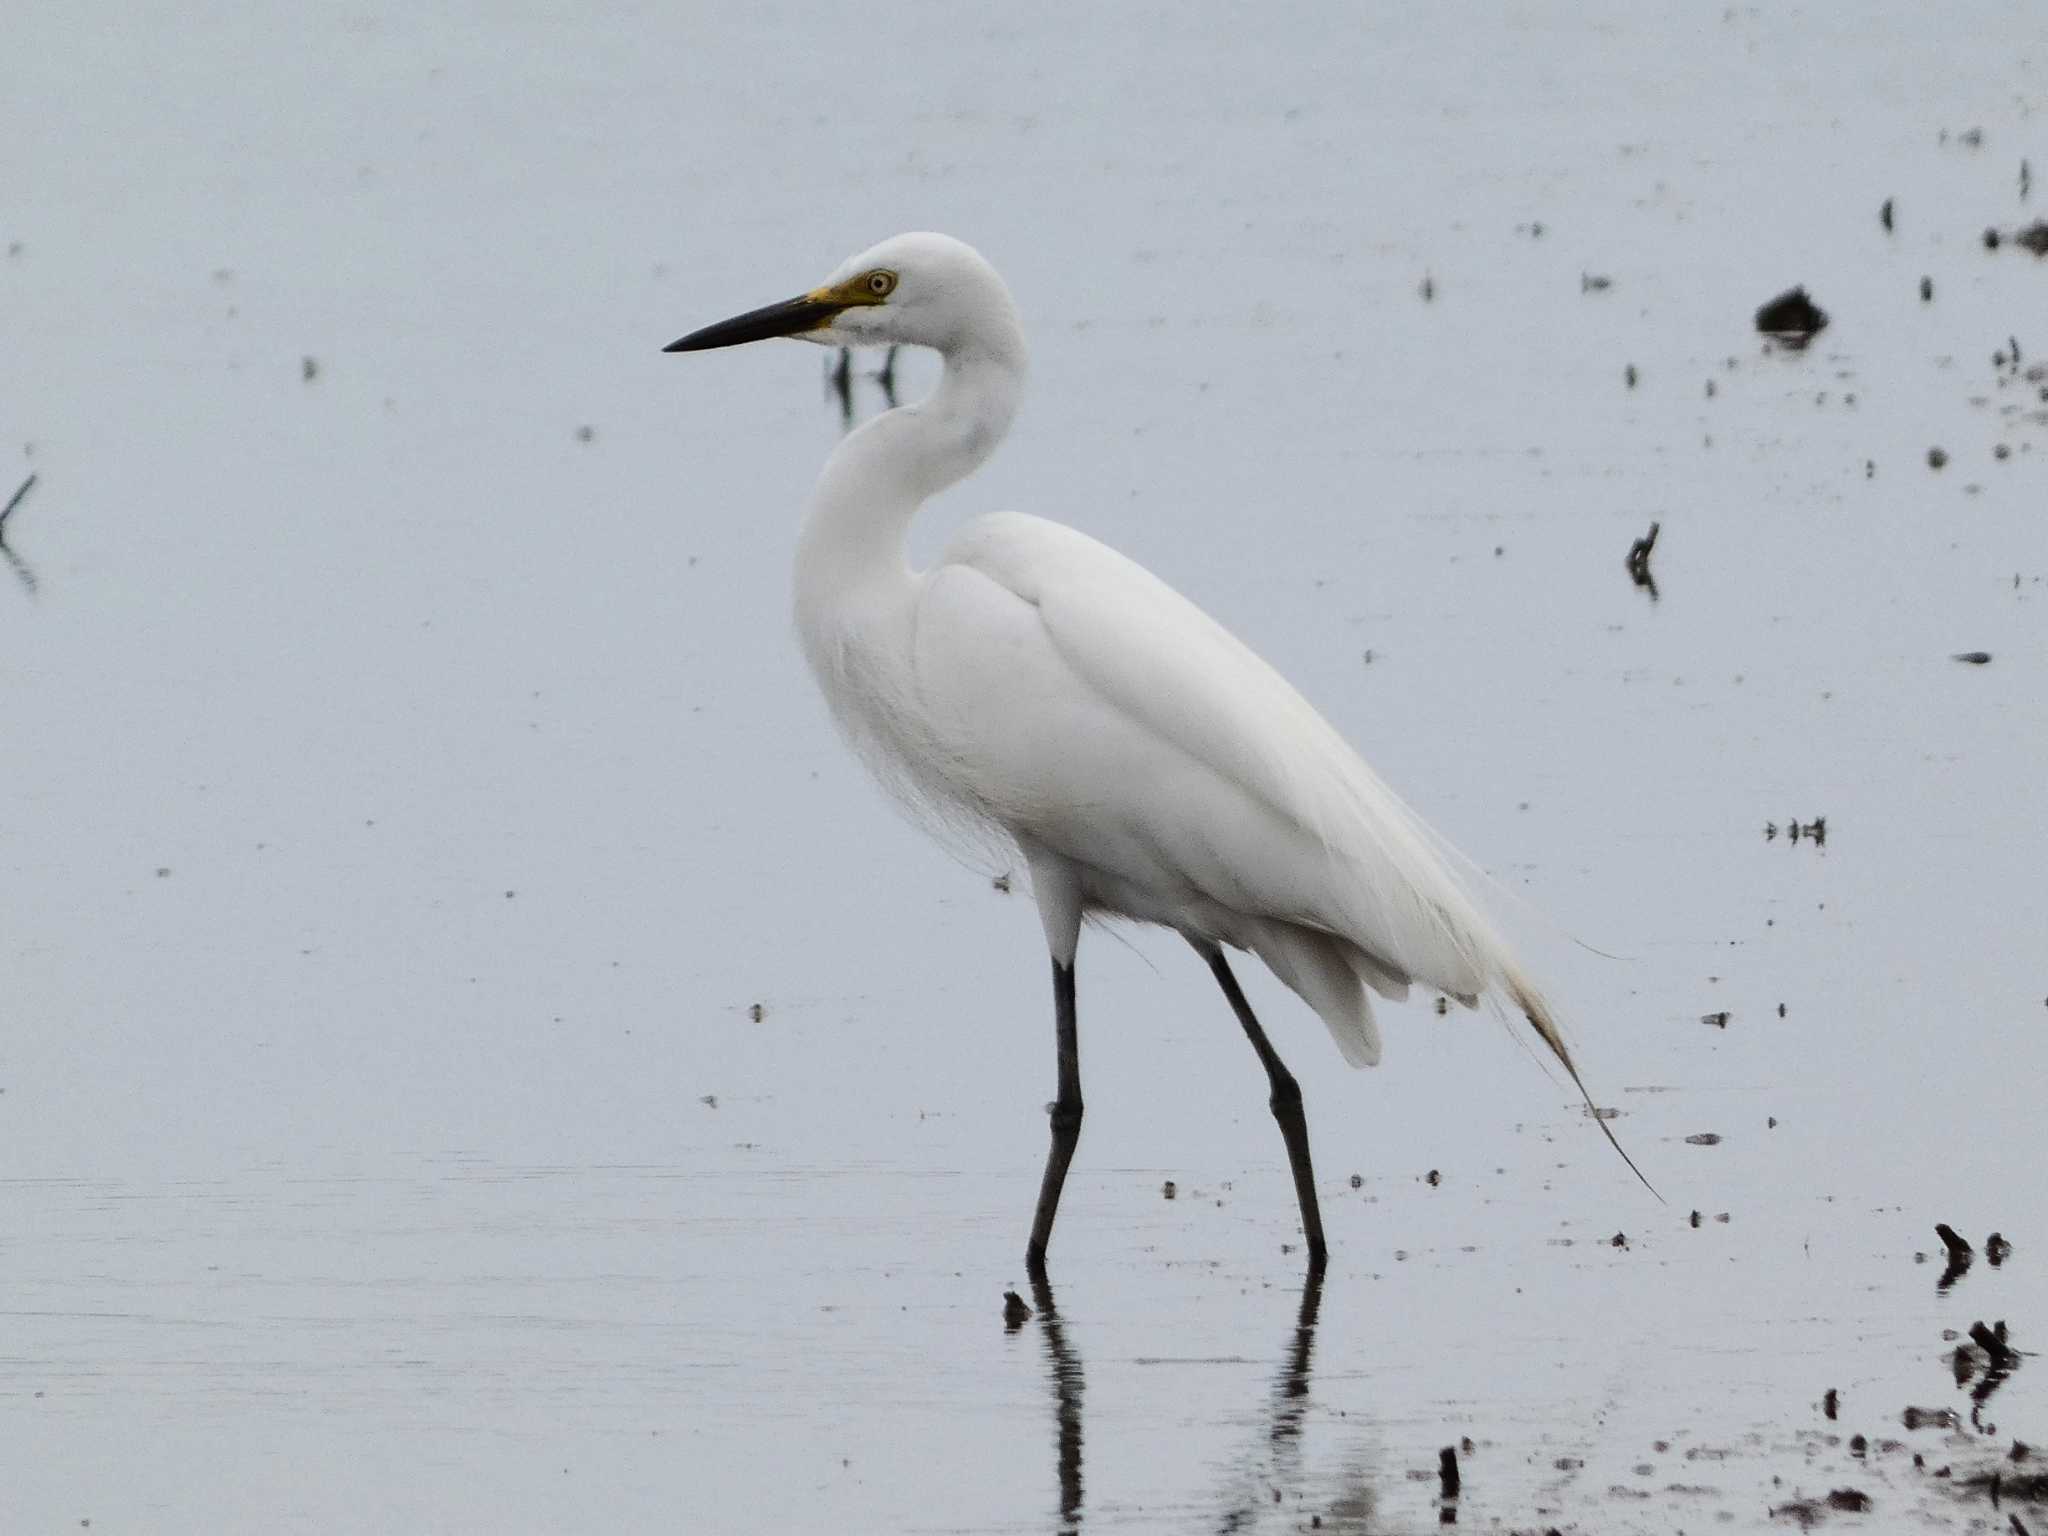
(1139, 739)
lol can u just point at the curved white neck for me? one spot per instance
(877, 478)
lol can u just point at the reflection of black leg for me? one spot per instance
(1286, 1105)
(1291, 1389)
(1280, 1467)
(1066, 1120)
(1066, 1389)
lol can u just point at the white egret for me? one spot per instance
(1145, 763)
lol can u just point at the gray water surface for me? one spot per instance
(414, 794)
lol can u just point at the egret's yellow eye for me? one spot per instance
(880, 283)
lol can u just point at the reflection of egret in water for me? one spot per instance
(1278, 1462)
(1065, 1370)
(1274, 1462)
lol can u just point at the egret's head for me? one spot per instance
(920, 290)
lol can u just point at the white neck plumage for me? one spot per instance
(876, 479)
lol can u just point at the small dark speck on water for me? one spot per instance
(1628, 375)
(1926, 290)
(1016, 1312)
(1358, 1181)
(1974, 658)
(163, 871)
(1884, 215)
(2034, 237)
(1002, 883)
(1428, 289)
(1991, 239)
(1433, 1178)
(1704, 1139)
(757, 1012)
(1694, 1220)
(1996, 1249)
(1851, 1499)
(1594, 282)
(586, 434)
(1717, 1020)
(1831, 1404)
(309, 368)
(708, 1100)
(1958, 1246)
(1619, 1240)
(1169, 1189)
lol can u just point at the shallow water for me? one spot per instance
(413, 797)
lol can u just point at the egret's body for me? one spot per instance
(1146, 764)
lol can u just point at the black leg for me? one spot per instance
(1066, 1119)
(1286, 1105)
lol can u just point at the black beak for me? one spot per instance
(792, 317)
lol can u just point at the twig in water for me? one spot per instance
(21, 566)
(839, 383)
(1639, 561)
(886, 377)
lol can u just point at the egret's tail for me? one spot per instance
(1537, 1012)
(1323, 971)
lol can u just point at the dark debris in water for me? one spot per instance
(1974, 658)
(2034, 237)
(1704, 1139)
(1960, 1255)
(1931, 1418)
(1016, 1312)
(1996, 1249)
(1792, 319)
(1808, 1513)
(1814, 831)
(1638, 561)
(2027, 1488)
